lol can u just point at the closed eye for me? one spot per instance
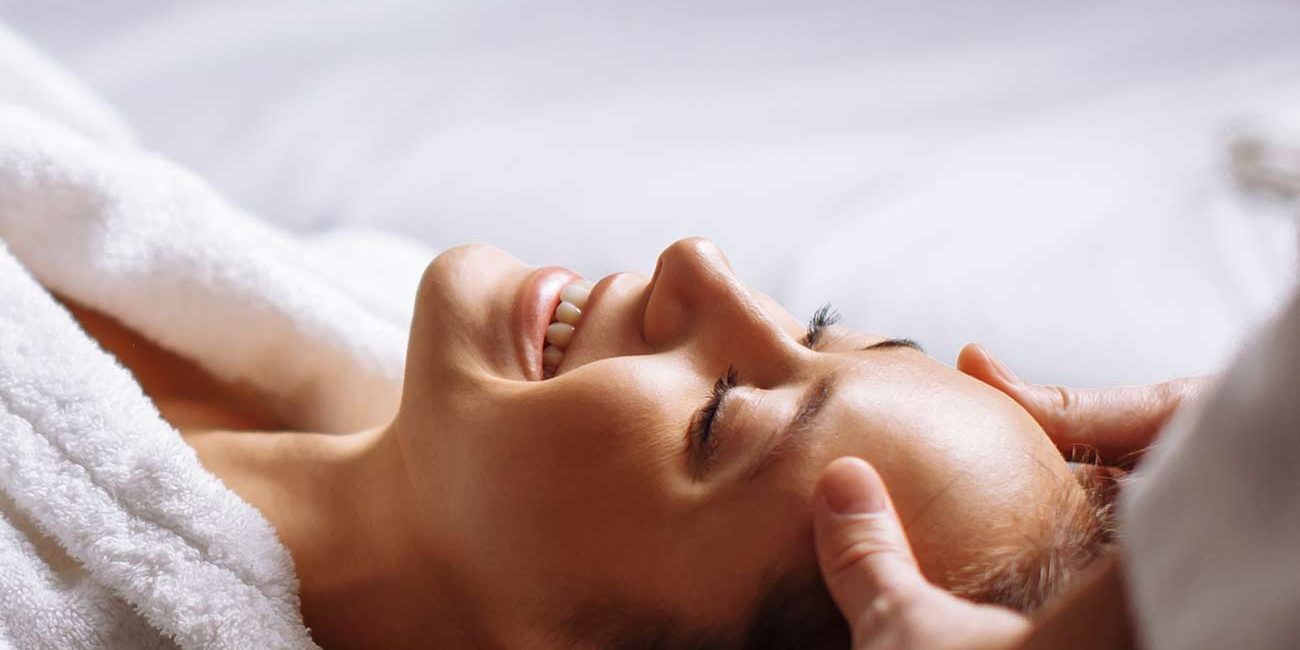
(825, 316)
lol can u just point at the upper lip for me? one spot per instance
(535, 302)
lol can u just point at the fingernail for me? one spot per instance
(850, 486)
(999, 367)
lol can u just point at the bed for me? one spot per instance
(1051, 178)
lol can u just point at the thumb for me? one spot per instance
(1062, 411)
(1116, 424)
(861, 548)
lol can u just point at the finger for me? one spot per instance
(1106, 425)
(861, 548)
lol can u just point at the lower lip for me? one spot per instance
(534, 305)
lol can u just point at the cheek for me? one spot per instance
(602, 420)
(569, 481)
(740, 538)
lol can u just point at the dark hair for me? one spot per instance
(796, 611)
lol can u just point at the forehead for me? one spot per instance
(961, 460)
(955, 453)
(905, 398)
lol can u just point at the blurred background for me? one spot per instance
(1068, 182)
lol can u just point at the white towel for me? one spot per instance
(111, 533)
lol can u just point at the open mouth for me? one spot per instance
(564, 322)
(535, 312)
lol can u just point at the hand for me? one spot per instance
(1107, 426)
(873, 576)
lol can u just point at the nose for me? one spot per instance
(696, 298)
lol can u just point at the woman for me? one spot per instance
(654, 492)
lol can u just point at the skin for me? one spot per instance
(872, 573)
(492, 506)
(1109, 426)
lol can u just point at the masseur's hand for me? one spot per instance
(1116, 424)
(871, 573)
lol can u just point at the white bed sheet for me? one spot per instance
(1044, 176)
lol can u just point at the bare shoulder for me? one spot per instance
(186, 394)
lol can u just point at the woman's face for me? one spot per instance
(593, 485)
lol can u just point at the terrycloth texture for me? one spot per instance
(112, 534)
(87, 459)
(127, 233)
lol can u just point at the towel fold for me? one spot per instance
(111, 533)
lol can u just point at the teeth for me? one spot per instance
(573, 299)
(551, 357)
(577, 293)
(558, 334)
(568, 312)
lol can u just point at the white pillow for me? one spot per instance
(1047, 177)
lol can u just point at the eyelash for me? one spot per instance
(824, 317)
(702, 425)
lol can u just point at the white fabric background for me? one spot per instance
(1211, 525)
(1047, 176)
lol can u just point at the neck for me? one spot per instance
(369, 574)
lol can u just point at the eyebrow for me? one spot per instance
(795, 434)
(893, 343)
